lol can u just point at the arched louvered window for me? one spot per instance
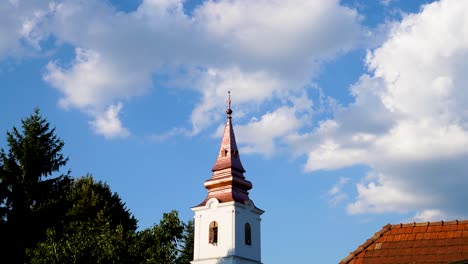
(248, 234)
(213, 234)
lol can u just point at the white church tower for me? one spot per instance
(227, 223)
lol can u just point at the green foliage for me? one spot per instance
(96, 227)
(98, 242)
(82, 242)
(91, 201)
(46, 219)
(188, 239)
(158, 245)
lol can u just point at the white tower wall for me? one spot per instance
(230, 247)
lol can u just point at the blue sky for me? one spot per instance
(349, 114)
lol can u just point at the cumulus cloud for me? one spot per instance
(109, 124)
(279, 34)
(408, 122)
(409, 119)
(262, 135)
(19, 21)
(330, 155)
(276, 47)
(253, 88)
(434, 215)
(259, 49)
(116, 55)
(92, 81)
(266, 135)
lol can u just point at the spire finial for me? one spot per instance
(229, 111)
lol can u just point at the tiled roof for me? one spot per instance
(428, 242)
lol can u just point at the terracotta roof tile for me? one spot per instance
(427, 242)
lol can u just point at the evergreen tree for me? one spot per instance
(33, 155)
(188, 239)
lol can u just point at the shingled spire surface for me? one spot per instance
(228, 155)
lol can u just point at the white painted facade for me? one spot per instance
(230, 248)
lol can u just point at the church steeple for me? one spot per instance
(227, 222)
(228, 182)
(228, 156)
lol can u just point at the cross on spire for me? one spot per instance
(229, 111)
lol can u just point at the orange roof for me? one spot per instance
(429, 242)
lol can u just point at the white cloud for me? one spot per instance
(409, 121)
(92, 84)
(261, 50)
(424, 139)
(169, 134)
(268, 49)
(279, 33)
(108, 123)
(435, 215)
(430, 215)
(385, 194)
(258, 49)
(385, 2)
(92, 81)
(336, 193)
(262, 135)
(330, 155)
(18, 27)
(246, 88)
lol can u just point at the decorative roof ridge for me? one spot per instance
(389, 227)
(366, 244)
(429, 223)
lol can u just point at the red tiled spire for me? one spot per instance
(228, 182)
(228, 156)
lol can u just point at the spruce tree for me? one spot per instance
(187, 242)
(33, 155)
